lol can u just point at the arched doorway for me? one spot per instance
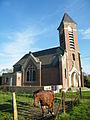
(74, 80)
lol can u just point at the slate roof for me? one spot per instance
(45, 56)
(66, 18)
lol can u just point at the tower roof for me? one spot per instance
(66, 18)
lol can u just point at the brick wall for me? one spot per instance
(6, 79)
(50, 76)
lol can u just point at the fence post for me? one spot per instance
(58, 106)
(77, 97)
(80, 92)
(15, 116)
(72, 96)
(63, 100)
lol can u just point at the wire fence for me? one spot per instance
(67, 100)
(63, 102)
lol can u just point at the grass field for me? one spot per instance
(26, 111)
(79, 112)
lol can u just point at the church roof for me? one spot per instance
(45, 56)
(48, 51)
(66, 18)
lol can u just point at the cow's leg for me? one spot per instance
(42, 107)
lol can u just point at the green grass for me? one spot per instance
(67, 94)
(5, 106)
(6, 111)
(79, 112)
(26, 111)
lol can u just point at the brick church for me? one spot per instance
(55, 67)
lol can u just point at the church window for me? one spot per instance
(34, 75)
(73, 56)
(27, 75)
(31, 73)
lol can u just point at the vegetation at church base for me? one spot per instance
(26, 111)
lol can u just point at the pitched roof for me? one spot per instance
(45, 56)
(66, 18)
(48, 51)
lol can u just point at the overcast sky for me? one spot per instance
(31, 25)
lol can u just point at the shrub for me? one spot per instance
(87, 81)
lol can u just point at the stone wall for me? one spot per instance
(25, 89)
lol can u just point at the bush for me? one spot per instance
(87, 81)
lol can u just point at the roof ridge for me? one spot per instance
(47, 49)
(66, 18)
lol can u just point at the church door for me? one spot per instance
(74, 80)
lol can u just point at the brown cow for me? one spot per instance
(46, 98)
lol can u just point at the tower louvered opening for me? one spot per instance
(71, 40)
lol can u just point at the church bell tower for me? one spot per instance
(69, 43)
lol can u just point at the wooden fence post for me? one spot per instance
(15, 116)
(72, 97)
(77, 97)
(63, 100)
(58, 107)
(80, 92)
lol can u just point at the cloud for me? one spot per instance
(22, 41)
(19, 43)
(85, 33)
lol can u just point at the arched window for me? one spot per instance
(31, 73)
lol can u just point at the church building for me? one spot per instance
(58, 67)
